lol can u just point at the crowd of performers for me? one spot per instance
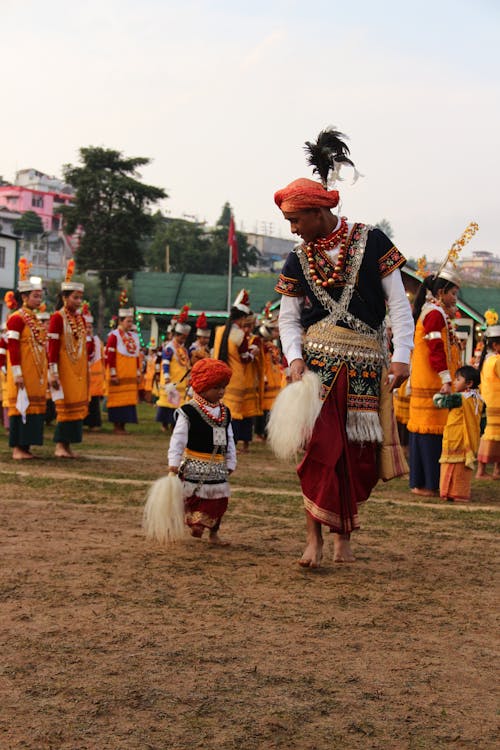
(213, 390)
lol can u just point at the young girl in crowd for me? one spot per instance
(202, 450)
(489, 367)
(461, 434)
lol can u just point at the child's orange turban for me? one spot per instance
(303, 193)
(209, 373)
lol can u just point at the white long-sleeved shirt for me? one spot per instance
(403, 328)
(179, 439)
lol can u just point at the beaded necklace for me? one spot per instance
(203, 405)
(75, 333)
(129, 341)
(321, 270)
(37, 329)
(37, 341)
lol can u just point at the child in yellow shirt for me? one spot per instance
(461, 434)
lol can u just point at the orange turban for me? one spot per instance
(304, 193)
(209, 373)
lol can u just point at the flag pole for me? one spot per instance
(229, 276)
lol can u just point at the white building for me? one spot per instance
(8, 262)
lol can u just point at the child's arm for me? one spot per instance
(447, 401)
(231, 450)
(178, 441)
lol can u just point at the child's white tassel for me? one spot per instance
(163, 518)
(293, 416)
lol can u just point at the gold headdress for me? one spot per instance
(25, 284)
(447, 269)
(68, 285)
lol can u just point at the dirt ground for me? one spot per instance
(108, 641)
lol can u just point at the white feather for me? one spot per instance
(293, 416)
(163, 517)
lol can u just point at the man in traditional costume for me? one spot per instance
(123, 370)
(335, 288)
(199, 348)
(272, 370)
(96, 373)
(233, 346)
(26, 367)
(175, 367)
(69, 350)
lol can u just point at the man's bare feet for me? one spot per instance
(214, 538)
(313, 552)
(19, 454)
(423, 492)
(342, 552)
(312, 555)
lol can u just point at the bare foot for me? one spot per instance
(424, 493)
(18, 454)
(484, 476)
(342, 552)
(63, 454)
(197, 530)
(313, 554)
(214, 538)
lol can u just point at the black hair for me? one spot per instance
(469, 373)
(62, 295)
(487, 343)
(234, 314)
(432, 284)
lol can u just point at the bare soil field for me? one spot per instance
(111, 642)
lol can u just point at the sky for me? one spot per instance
(221, 96)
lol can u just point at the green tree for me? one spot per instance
(385, 226)
(29, 225)
(186, 243)
(192, 248)
(112, 208)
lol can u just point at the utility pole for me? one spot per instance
(167, 258)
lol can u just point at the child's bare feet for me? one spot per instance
(197, 530)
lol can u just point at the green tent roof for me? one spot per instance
(166, 293)
(481, 298)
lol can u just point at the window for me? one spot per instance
(37, 201)
(2, 257)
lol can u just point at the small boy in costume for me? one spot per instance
(461, 434)
(202, 450)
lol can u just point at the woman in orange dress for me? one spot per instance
(69, 351)
(26, 368)
(435, 360)
(123, 373)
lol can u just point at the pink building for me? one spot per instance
(44, 203)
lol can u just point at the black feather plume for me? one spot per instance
(328, 151)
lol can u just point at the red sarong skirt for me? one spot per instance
(335, 474)
(202, 511)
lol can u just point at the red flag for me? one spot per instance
(233, 242)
